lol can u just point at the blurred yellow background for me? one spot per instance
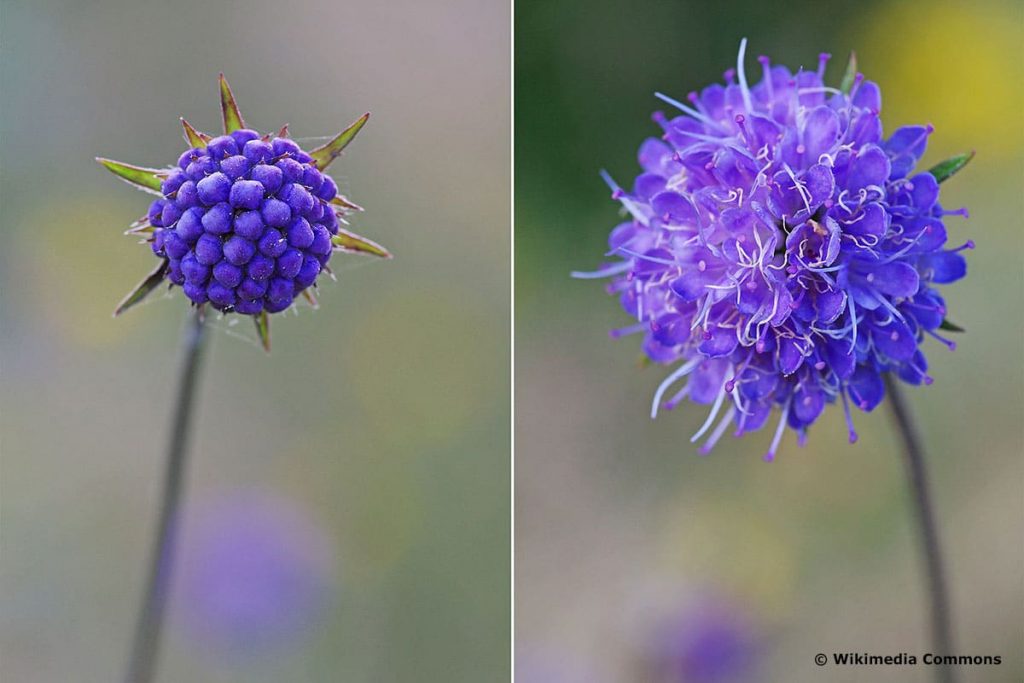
(370, 449)
(623, 533)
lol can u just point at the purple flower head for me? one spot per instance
(781, 251)
(233, 195)
(258, 574)
(713, 642)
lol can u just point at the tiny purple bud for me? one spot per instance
(187, 195)
(208, 249)
(214, 188)
(272, 243)
(217, 219)
(244, 135)
(249, 224)
(235, 167)
(195, 291)
(228, 274)
(246, 194)
(270, 177)
(190, 225)
(328, 190)
(276, 213)
(292, 170)
(321, 241)
(194, 271)
(220, 296)
(312, 178)
(221, 147)
(308, 272)
(248, 307)
(170, 215)
(257, 151)
(298, 198)
(252, 289)
(260, 267)
(289, 263)
(300, 234)
(280, 290)
(283, 146)
(239, 250)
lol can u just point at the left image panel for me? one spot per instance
(285, 457)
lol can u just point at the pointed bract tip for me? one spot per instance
(229, 108)
(327, 153)
(262, 322)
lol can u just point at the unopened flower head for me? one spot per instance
(781, 251)
(244, 222)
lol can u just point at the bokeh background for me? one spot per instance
(637, 560)
(348, 495)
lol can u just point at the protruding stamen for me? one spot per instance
(948, 342)
(743, 76)
(719, 430)
(714, 412)
(681, 371)
(822, 62)
(774, 447)
(849, 417)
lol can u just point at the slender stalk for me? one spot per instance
(942, 632)
(147, 633)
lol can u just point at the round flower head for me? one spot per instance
(781, 251)
(244, 222)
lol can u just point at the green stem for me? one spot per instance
(147, 633)
(941, 622)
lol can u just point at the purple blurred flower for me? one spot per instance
(258, 574)
(709, 643)
(781, 251)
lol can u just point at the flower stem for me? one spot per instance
(147, 633)
(942, 632)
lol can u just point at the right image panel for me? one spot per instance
(768, 325)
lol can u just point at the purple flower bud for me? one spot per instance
(172, 182)
(330, 221)
(220, 296)
(246, 194)
(276, 306)
(272, 243)
(239, 250)
(249, 224)
(200, 168)
(276, 213)
(235, 167)
(321, 245)
(260, 267)
(298, 198)
(194, 291)
(157, 245)
(247, 307)
(228, 274)
(328, 190)
(300, 234)
(283, 146)
(252, 289)
(221, 147)
(174, 273)
(214, 188)
(244, 135)
(316, 214)
(307, 273)
(208, 249)
(217, 219)
(288, 263)
(243, 224)
(270, 177)
(312, 178)
(187, 157)
(280, 289)
(156, 210)
(258, 151)
(170, 214)
(292, 170)
(194, 271)
(187, 195)
(190, 225)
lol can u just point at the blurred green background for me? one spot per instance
(378, 429)
(621, 529)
